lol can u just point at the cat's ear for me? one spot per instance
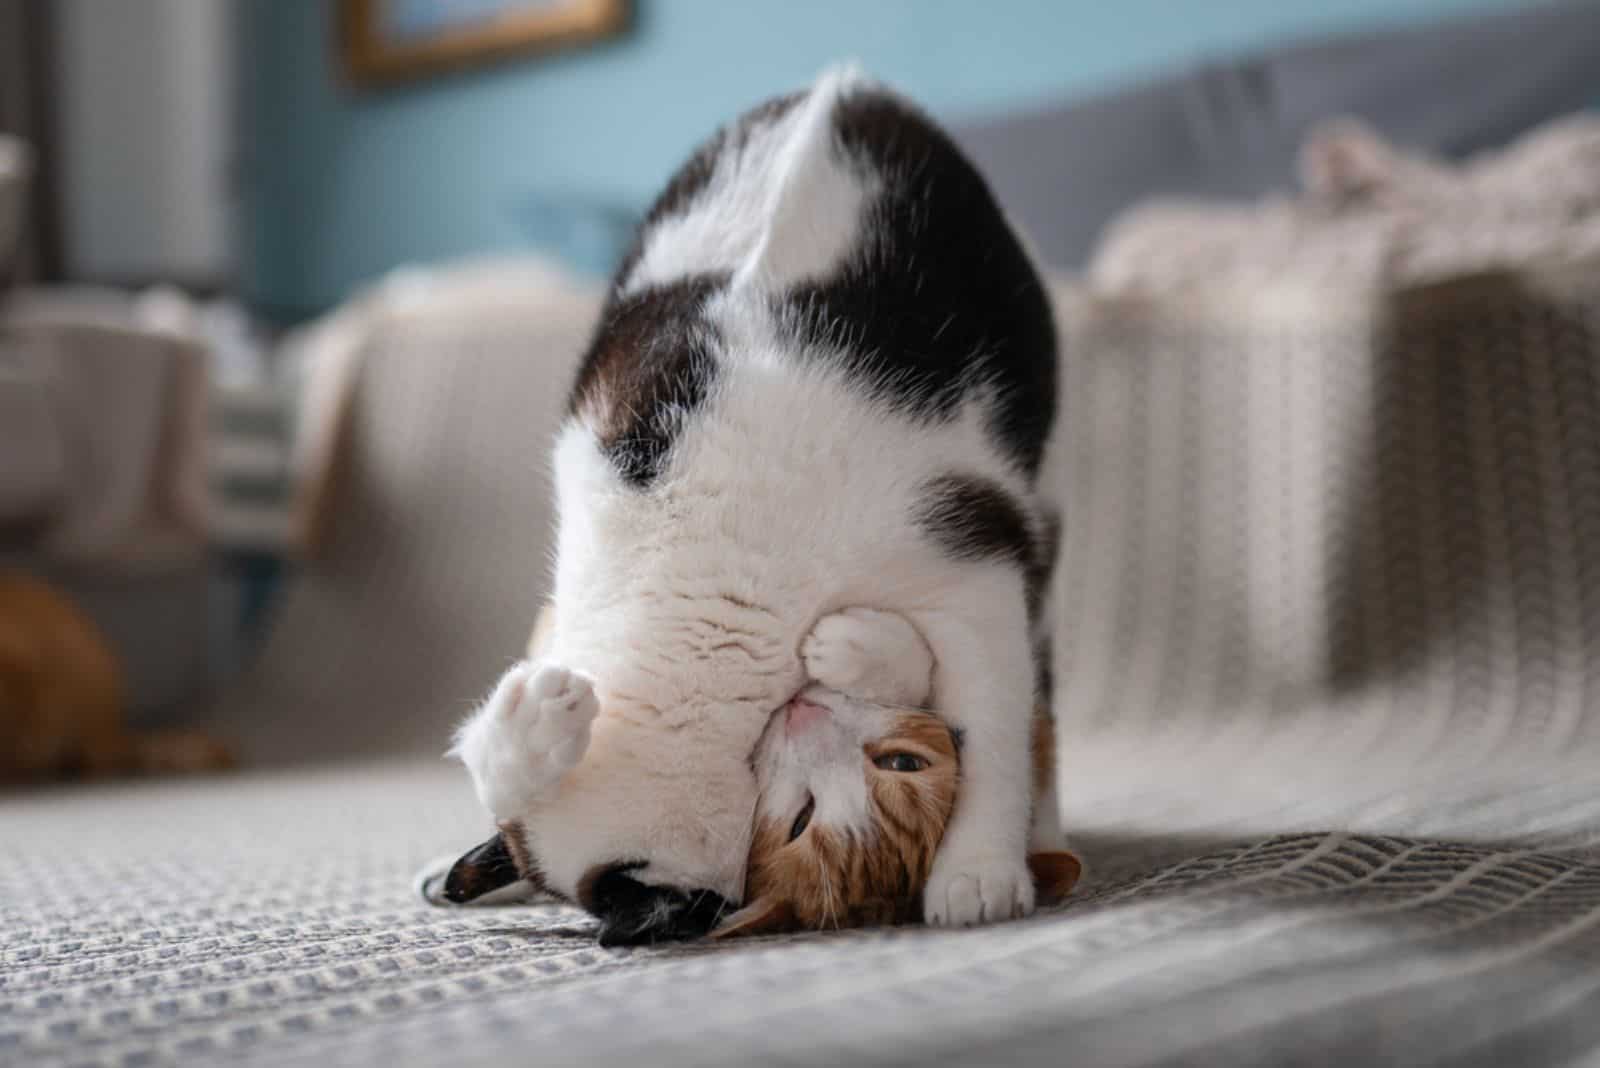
(633, 913)
(1054, 874)
(762, 916)
(481, 871)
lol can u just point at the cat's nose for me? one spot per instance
(803, 715)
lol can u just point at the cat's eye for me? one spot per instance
(802, 821)
(900, 762)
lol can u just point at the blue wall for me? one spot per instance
(344, 184)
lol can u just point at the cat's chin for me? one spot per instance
(774, 730)
(801, 716)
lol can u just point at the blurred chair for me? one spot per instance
(436, 524)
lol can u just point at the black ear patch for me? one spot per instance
(632, 913)
(487, 867)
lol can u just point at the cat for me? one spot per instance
(856, 791)
(62, 697)
(820, 873)
(822, 381)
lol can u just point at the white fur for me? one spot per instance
(871, 655)
(865, 664)
(789, 497)
(782, 208)
(533, 730)
(821, 763)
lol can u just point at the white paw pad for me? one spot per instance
(870, 655)
(962, 894)
(531, 731)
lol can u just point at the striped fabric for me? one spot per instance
(1328, 610)
(251, 483)
(1339, 505)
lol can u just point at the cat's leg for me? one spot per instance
(984, 687)
(530, 732)
(871, 656)
(1047, 833)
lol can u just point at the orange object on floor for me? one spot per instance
(62, 703)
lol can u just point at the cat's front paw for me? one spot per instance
(533, 729)
(964, 892)
(869, 655)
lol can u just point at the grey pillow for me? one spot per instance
(1232, 129)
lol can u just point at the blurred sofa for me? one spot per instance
(1328, 616)
(1232, 129)
(102, 483)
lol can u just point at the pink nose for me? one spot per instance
(804, 714)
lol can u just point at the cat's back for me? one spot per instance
(826, 349)
(839, 231)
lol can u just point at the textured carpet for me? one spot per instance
(269, 918)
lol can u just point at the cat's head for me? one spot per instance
(854, 799)
(648, 833)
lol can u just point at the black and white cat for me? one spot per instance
(817, 401)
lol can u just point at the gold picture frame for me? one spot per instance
(386, 41)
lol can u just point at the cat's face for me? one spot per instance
(854, 799)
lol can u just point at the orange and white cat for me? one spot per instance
(858, 782)
(880, 784)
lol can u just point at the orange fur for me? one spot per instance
(62, 696)
(828, 878)
(825, 879)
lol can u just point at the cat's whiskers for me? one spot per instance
(830, 901)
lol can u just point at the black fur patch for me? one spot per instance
(1042, 566)
(940, 298)
(633, 913)
(974, 518)
(1044, 674)
(649, 365)
(650, 361)
(480, 870)
(937, 301)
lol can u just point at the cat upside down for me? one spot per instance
(857, 784)
(824, 377)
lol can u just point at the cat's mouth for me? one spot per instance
(795, 719)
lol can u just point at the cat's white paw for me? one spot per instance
(531, 731)
(869, 655)
(965, 892)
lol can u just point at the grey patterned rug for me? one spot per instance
(269, 918)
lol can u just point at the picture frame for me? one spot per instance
(389, 41)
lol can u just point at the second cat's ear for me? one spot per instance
(479, 872)
(762, 916)
(633, 913)
(1054, 874)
